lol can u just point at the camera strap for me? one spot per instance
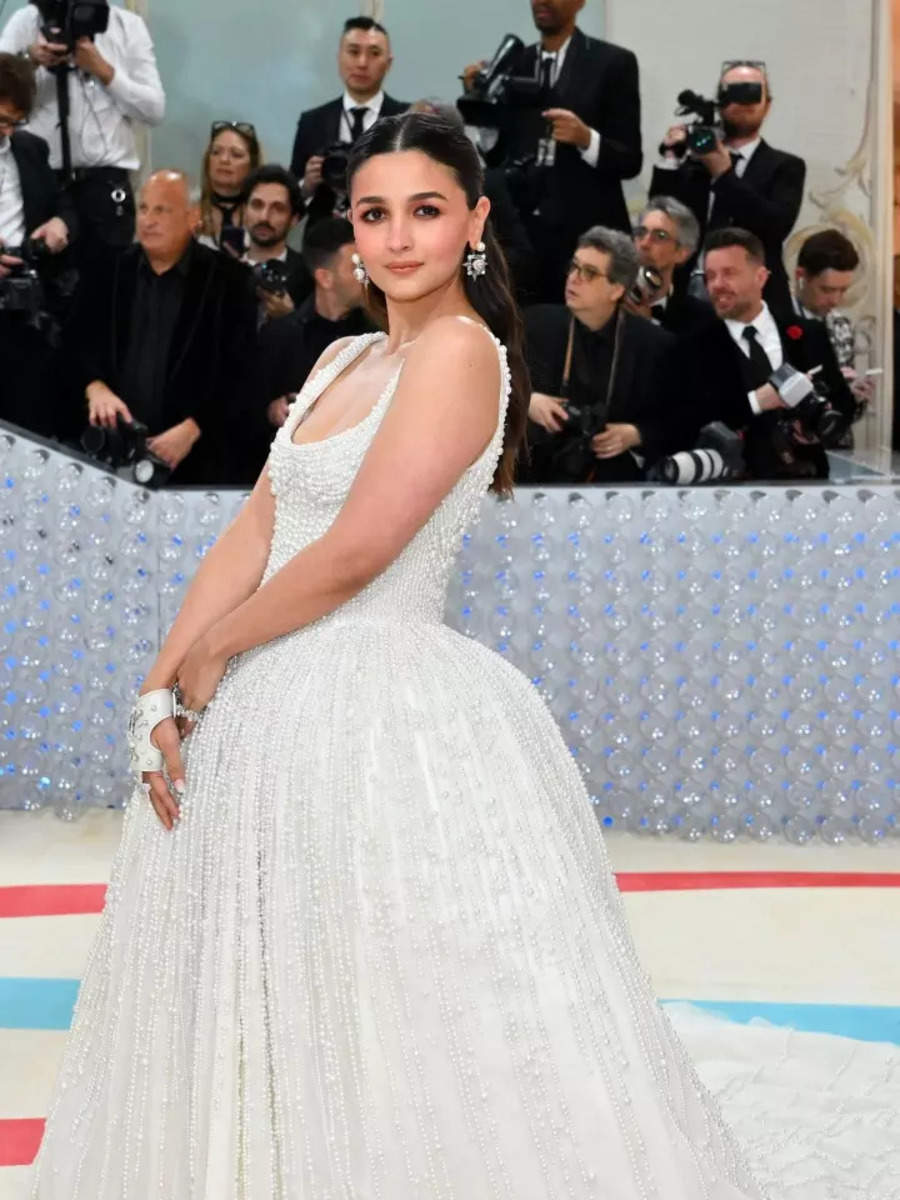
(614, 368)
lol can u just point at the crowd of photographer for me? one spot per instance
(674, 349)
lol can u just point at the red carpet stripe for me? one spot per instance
(50, 900)
(678, 881)
(19, 1141)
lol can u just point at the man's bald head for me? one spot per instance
(168, 216)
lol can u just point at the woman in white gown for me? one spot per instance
(364, 943)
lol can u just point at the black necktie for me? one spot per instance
(735, 159)
(358, 115)
(759, 360)
(548, 62)
(658, 312)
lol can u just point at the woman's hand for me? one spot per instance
(199, 675)
(166, 738)
(548, 412)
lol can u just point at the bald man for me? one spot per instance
(742, 181)
(165, 334)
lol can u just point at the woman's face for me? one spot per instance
(412, 223)
(229, 162)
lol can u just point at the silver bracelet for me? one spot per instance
(147, 713)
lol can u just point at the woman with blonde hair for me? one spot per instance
(233, 152)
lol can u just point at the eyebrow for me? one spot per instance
(417, 196)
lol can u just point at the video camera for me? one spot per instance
(495, 90)
(807, 407)
(22, 290)
(65, 21)
(124, 449)
(707, 129)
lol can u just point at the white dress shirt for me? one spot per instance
(373, 112)
(12, 211)
(768, 337)
(591, 153)
(102, 118)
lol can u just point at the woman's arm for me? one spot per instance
(229, 573)
(443, 415)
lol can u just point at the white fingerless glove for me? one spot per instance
(147, 713)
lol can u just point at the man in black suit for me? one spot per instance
(743, 182)
(272, 206)
(31, 207)
(165, 333)
(666, 236)
(599, 410)
(587, 139)
(364, 59)
(725, 370)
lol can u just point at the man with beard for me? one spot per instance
(725, 370)
(585, 141)
(743, 181)
(272, 206)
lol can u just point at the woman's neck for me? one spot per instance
(407, 319)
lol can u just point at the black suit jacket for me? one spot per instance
(685, 314)
(640, 393)
(319, 128)
(41, 195)
(709, 368)
(766, 201)
(211, 360)
(599, 83)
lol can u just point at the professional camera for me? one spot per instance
(495, 90)
(271, 276)
(717, 455)
(647, 285)
(808, 406)
(124, 448)
(21, 290)
(65, 21)
(335, 160)
(706, 130)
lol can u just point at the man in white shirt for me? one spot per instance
(113, 83)
(364, 59)
(726, 368)
(743, 182)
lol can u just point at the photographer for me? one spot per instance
(732, 371)
(111, 82)
(36, 224)
(319, 156)
(666, 236)
(580, 144)
(272, 207)
(165, 334)
(735, 178)
(599, 410)
(289, 348)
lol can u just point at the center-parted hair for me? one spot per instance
(491, 294)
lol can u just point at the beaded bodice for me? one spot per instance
(311, 480)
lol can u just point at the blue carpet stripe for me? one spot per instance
(37, 1003)
(865, 1023)
(48, 1004)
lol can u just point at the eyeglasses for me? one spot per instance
(655, 235)
(242, 127)
(585, 273)
(10, 123)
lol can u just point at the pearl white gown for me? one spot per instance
(384, 957)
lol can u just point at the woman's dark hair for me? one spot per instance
(491, 294)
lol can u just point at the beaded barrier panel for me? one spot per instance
(722, 662)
